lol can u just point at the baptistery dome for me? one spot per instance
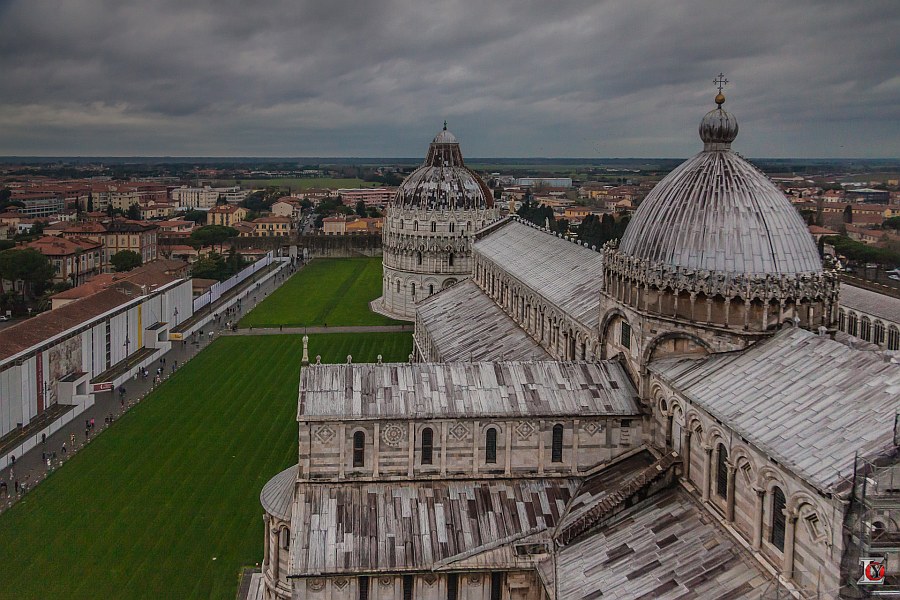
(444, 182)
(717, 212)
(429, 227)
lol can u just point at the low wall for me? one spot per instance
(319, 245)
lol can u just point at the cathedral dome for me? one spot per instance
(718, 213)
(443, 182)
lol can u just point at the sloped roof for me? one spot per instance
(370, 527)
(439, 390)
(872, 303)
(464, 323)
(277, 496)
(805, 400)
(566, 274)
(666, 548)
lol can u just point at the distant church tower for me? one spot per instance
(714, 259)
(429, 227)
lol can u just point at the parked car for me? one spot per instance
(4, 318)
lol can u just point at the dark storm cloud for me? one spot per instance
(514, 78)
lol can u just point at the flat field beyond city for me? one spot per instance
(165, 504)
(327, 291)
(298, 183)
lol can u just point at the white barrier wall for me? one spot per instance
(216, 291)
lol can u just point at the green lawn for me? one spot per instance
(166, 503)
(298, 183)
(328, 291)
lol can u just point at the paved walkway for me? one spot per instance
(343, 329)
(33, 467)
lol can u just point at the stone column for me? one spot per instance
(540, 434)
(787, 566)
(277, 555)
(707, 468)
(758, 517)
(727, 310)
(729, 494)
(709, 304)
(746, 314)
(686, 453)
(268, 528)
(475, 436)
(508, 466)
(376, 449)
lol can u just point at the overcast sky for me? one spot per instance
(513, 78)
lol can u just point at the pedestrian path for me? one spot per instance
(34, 466)
(309, 330)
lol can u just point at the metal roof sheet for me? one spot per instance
(717, 212)
(277, 496)
(807, 401)
(464, 323)
(872, 303)
(372, 527)
(468, 390)
(566, 274)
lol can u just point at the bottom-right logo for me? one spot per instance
(873, 571)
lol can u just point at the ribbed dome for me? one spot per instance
(718, 127)
(444, 182)
(717, 212)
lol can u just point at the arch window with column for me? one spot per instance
(852, 322)
(878, 333)
(893, 338)
(285, 538)
(779, 521)
(842, 320)
(865, 329)
(721, 471)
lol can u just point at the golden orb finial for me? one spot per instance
(720, 99)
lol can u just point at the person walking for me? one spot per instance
(63, 451)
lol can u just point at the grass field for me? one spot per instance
(298, 183)
(165, 504)
(332, 291)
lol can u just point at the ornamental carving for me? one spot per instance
(524, 430)
(591, 427)
(474, 579)
(393, 435)
(316, 584)
(814, 286)
(430, 578)
(386, 581)
(324, 434)
(341, 582)
(458, 431)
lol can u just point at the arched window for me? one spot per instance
(433, 226)
(842, 320)
(427, 445)
(878, 329)
(418, 258)
(893, 338)
(398, 286)
(415, 225)
(359, 449)
(468, 225)
(401, 224)
(722, 471)
(450, 259)
(865, 329)
(412, 289)
(490, 445)
(851, 324)
(452, 227)
(557, 446)
(285, 538)
(626, 334)
(778, 518)
(430, 289)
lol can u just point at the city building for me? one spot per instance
(273, 226)
(226, 214)
(429, 227)
(288, 207)
(39, 204)
(868, 195)
(371, 197)
(74, 259)
(669, 416)
(545, 182)
(120, 234)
